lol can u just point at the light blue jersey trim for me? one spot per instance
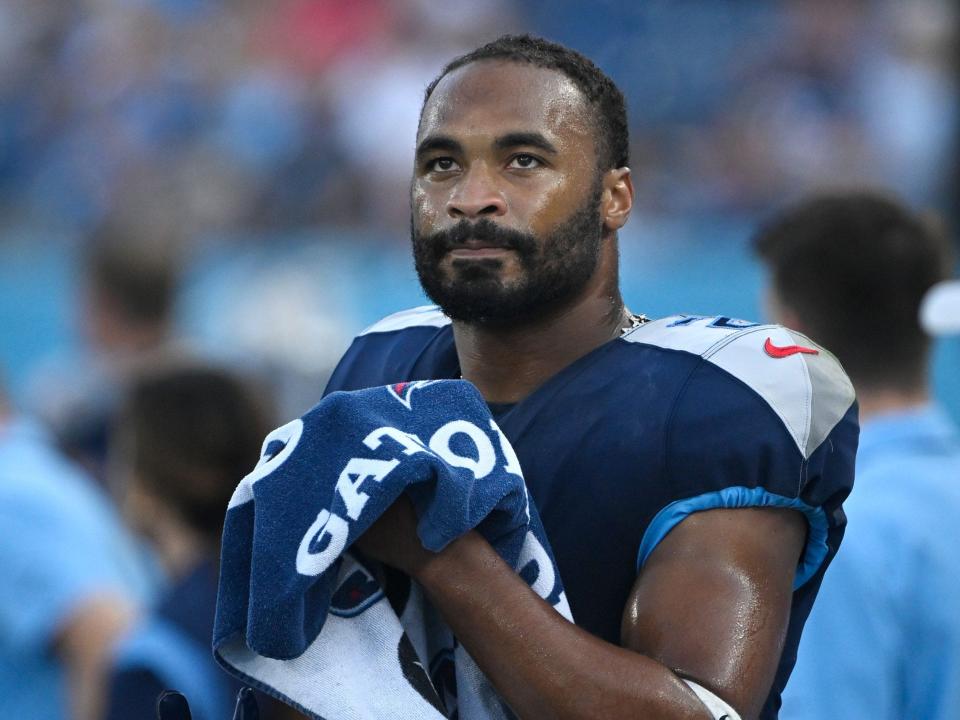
(742, 497)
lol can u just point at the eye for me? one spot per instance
(525, 162)
(442, 164)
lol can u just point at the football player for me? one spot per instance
(689, 470)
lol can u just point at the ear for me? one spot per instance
(616, 201)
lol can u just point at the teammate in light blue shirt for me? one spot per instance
(883, 640)
(70, 580)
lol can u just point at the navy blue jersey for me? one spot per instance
(679, 415)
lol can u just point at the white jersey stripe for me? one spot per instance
(425, 315)
(806, 388)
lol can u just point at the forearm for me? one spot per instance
(542, 665)
(85, 647)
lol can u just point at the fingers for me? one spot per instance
(171, 705)
(246, 706)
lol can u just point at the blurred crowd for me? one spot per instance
(268, 145)
(232, 117)
(197, 180)
(229, 116)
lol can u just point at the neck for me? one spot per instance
(507, 364)
(880, 401)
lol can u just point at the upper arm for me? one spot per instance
(758, 457)
(712, 602)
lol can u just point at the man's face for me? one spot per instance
(506, 191)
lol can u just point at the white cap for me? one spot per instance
(940, 310)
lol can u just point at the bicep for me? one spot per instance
(712, 601)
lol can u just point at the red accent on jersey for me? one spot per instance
(775, 351)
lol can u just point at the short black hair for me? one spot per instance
(854, 267)
(191, 432)
(600, 92)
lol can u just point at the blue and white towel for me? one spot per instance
(301, 618)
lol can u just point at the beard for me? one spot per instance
(555, 269)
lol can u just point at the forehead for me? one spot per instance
(490, 96)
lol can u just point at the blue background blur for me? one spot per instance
(278, 136)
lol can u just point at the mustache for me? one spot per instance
(485, 231)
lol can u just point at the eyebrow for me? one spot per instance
(529, 139)
(433, 143)
(444, 143)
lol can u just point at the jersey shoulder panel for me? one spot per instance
(415, 344)
(422, 316)
(802, 382)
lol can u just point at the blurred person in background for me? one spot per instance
(186, 434)
(883, 641)
(73, 580)
(125, 313)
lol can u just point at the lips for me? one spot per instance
(478, 240)
(481, 244)
(474, 243)
(479, 251)
(475, 248)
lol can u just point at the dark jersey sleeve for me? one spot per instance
(133, 694)
(752, 430)
(411, 345)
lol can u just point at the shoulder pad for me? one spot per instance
(801, 381)
(423, 316)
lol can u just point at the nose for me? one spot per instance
(476, 195)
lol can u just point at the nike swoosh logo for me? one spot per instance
(777, 351)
